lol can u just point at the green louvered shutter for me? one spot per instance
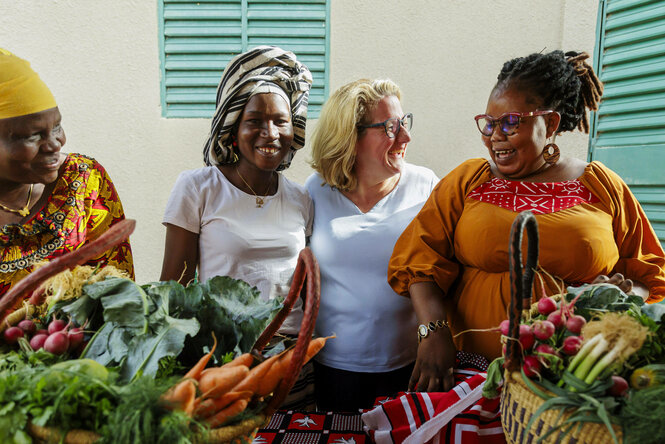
(628, 131)
(198, 38)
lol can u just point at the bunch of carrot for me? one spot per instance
(215, 395)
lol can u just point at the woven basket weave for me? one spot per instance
(306, 273)
(518, 402)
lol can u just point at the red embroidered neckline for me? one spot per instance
(539, 198)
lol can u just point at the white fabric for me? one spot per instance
(237, 239)
(375, 327)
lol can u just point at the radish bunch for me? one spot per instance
(549, 336)
(58, 338)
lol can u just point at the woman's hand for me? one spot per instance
(436, 353)
(628, 286)
(433, 371)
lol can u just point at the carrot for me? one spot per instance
(277, 372)
(245, 359)
(195, 372)
(182, 396)
(208, 407)
(251, 381)
(227, 413)
(220, 380)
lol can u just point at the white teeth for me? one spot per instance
(503, 151)
(268, 150)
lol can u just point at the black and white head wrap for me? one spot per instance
(262, 69)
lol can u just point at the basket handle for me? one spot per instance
(307, 271)
(521, 282)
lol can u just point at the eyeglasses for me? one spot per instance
(508, 122)
(392, 126)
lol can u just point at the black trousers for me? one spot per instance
(345, 391)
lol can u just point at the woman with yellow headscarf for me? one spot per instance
(50, 202)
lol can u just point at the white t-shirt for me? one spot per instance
(237, 239)
(375, 327)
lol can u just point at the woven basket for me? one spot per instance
(305, 274)
(518, 402)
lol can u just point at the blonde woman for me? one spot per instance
(364, 196)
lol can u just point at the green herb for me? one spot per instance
(643, 417)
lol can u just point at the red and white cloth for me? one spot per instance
(460, 415)
(540, 198)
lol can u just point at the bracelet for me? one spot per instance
(424, 330)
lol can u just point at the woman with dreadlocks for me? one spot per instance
(452, 260)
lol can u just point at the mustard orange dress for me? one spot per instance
(82, 206)
(460, 240)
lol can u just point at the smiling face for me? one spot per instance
(378, 157)
(30, 147)
(265, 132)
(520, 154)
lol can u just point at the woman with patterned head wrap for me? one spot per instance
(238, 216)
(51, 202)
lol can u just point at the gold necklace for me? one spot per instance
(23, 211)
(259, 200)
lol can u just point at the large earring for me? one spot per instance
(551, 153)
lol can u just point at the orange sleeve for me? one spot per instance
(641, 256)
(426, 249)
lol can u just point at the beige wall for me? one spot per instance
(101, 60)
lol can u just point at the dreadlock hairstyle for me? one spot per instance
(561, 82)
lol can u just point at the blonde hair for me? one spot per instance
(334, 139)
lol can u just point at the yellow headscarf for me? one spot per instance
(22, 92)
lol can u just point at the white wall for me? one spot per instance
(101, 60)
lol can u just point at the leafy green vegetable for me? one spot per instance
(643, 417)
(143, 325)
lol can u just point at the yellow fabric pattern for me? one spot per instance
(83, 205)
(22, 92)
(462, 244)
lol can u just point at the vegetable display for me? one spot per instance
(581, 349)
(100, 358)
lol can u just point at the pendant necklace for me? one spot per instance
(259, 200)
(22, 211)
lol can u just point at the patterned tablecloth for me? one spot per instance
(293, 427)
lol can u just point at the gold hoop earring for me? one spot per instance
(551, 157)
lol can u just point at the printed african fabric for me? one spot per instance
(296, 427)
(458, 416)
(82, 206)
(539, 198)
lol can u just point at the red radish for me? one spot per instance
(56, 325)
(546, 306)
(57, 343)
(27, 326)
(531, 366)
(575, 323)
(504, 326)
(543, 330)
(546, 349)
(41, 331)
(12, 334)
(556, 318)
(571, 345)
(526, 337)
(619, 386)
(75, 336)
(37, 341)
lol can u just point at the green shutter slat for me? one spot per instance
(651, 119)
(638, 68)
(644, 85)
(635, 16)
(645, 33)
(640, 51)
(620, 5)
(630, 138)
(624, 105)
(199, 38)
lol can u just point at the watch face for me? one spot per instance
(422, 330)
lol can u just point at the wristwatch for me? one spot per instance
(424, 330)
